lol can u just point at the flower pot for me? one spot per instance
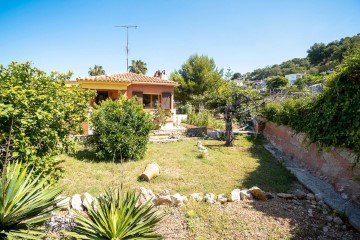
(151, 171)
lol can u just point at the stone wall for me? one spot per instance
(335, 165)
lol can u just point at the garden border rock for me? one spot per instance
(319, 187)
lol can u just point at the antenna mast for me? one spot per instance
(127, 43)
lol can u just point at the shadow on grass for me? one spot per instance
(87, 155)
(272, 176)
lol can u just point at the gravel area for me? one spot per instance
(277, 218)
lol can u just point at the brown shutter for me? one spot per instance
(139, 97)
(166, 101)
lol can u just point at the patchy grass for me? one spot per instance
(223, 169)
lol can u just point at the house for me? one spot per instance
(148, 90)
(316, 88)
(292, 77)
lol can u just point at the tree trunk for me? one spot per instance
(228, 125)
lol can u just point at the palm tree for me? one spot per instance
(138, 66)
(96, 71)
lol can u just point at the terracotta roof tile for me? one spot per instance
(126, 78)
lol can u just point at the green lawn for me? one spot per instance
(245, 165)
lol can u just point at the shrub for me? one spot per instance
(41, 113)
(160, 116)
(121, 130)
(117, 216)
(276, 82)
(24, 202)
(203, 118)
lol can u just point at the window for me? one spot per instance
(149, 100)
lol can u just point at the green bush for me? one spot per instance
(159, 117)
(24, 202)
(121, 130)
(276, 82)
(41, 113)
(203, 118)
(331, 118)
(117, 216)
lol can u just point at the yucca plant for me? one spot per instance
(117, 216)
(25, 202)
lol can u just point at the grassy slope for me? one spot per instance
(245, 165)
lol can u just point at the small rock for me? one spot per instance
(63, 202)
(209, 198)
(310, 197)
(164, 198)
(300, 194)
(286, 195)
(325, 229)
(146, 195)
(185, 199)
(310, 212)
(76, 203)
(313, 202)
(201, 148)
(338, 221)
(343, 227)
(177, 199)
(235, 195)
(344, 196)
(269, 195)
(222, 198)
(313, 206)
(245, 195)
(197, 196)
(318, 197)
(258, 193)
(87, 199)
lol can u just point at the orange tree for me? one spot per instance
(40, 113)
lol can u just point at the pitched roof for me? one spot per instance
(129, 77)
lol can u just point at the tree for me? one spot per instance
(96, 71)
(197, 77)
(235, 102)
(40, 113)
(276, 82)
(236, 75)
(228, 74)
(316, 53)
(138, 67)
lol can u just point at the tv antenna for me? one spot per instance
(127, 43)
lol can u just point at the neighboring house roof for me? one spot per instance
(131, 78)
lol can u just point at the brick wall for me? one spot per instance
(333, 164)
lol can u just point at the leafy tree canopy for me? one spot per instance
(235, 76)
(197, 76)
(276, 82)
(40, 112)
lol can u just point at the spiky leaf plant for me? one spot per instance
(25, 202)
(117, 216)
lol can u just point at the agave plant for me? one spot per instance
(25, 202)
(116, 215)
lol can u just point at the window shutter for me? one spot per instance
(166, 101)
(139, 97)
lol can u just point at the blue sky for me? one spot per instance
(243, 35)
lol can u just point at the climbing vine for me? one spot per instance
(331, 118)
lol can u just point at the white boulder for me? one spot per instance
(76, 203)
(235, 195)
